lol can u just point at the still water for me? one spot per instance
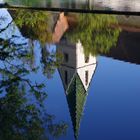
(69, 76)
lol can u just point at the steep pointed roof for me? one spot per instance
(76, 92)
(76, 76)
(76, 97)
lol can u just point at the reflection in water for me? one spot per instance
(22, 112)
(36, 25)
(101, 32)
(127, 47)
(98, 36)
(76, 72)
(76, 76)
(22, 95)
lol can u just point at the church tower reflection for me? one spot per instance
(76, 72)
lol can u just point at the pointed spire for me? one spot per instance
(76, 74)
(76, 97)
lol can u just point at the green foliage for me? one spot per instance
(76, 97)
(57, 130)
(18, 120)
(20, 117)
(50, 61)
(95, 32)
(34, 24)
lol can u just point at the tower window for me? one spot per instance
(66, 57)
(86, 59)
(86, 77)
(66, 77)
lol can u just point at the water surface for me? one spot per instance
(69, 76)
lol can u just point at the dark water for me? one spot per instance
(69, 76)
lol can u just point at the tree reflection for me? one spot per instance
(21, 97)
(95, 32)
(50, 60)
(38, 25)
(34, 24)
(22, 113)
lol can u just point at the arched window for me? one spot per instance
(66, 57)
(86, 77)
(86, 59)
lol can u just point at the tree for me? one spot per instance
(37, 25)
(34, 24)
(95, 32)
(20, 118)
